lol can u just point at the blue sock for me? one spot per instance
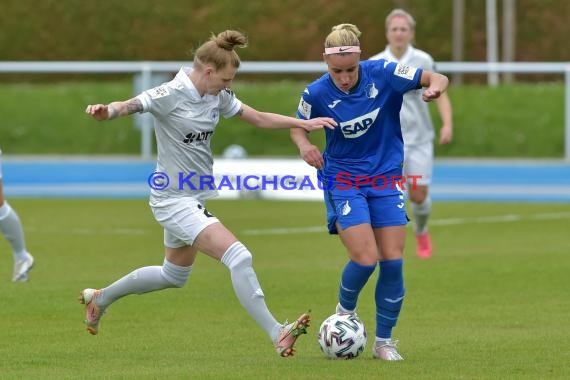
(389, 296)
(354, 277)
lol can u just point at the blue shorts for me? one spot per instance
(364, 205)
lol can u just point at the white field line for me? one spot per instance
(508, 218)
(91, 231)
(117, 231)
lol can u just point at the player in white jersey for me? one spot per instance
(417, 126)
(11, 228)
(186, 111)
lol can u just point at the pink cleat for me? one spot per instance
(289, 334)
(423, 245)
(93, 312)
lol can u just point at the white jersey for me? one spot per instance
(184, 125)
(417, 126)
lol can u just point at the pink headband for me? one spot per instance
(342, 49)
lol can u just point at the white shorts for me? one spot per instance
(183, 219)
(418, 161)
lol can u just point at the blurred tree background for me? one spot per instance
(132, 30)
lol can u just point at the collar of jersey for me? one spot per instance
(405, 58)
(189, 88)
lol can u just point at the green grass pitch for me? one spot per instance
(493, 302)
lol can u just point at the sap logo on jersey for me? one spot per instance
(357, 127)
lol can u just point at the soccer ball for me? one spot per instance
(342, 336)
(235, 151)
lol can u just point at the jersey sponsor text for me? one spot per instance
(357, 127)
(199, 136)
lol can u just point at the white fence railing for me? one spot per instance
(146, 70)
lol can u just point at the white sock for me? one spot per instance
(380, 341)
(144, 280)
(239, 260)
(421, 213)
(341, 309)
(12, 230)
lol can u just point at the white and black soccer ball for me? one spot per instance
(342, 336)
(235, 152)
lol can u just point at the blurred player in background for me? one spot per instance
(417, 126)
(370, 218)
(11, 228)
(186, 111)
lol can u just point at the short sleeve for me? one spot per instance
(403, 78)
(305, 107)
(229, 103)
(156, 100)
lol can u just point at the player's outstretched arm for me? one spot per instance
(276, 121)
(114, 109)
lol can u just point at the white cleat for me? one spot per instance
(21, 269)
(387, 351)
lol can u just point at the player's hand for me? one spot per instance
(430, 94)
(98, 111)
(318, 123)
(312, 156)
(445, 135)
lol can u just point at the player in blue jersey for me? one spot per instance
(361, 169)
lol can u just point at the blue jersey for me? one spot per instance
(368, 138)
